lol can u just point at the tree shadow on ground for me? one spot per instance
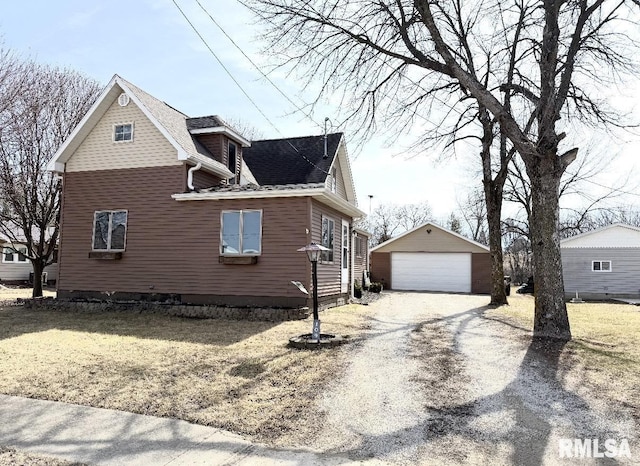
(535, 401)
(16, 321)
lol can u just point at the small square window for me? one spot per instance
(601, 266)
(109, 230)
(123, 133)
(241, 232)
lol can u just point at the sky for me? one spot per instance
(149, 43)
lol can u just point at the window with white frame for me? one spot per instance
(123, 133)
(328, 226)
(241, 232)
(14, 255)
(109, 230)
(601, 266)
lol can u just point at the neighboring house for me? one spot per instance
(159, 206)
(432, 258)
(603, 263)
(15, 268)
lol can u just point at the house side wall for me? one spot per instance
(14, 272)
(380, 268)
(203, 179)
(173, 247)
(214, 143)
(98, 151)
(329, 274)
(341, 189)
(481, 273)
(360, 265)
(436, 241)
(622, 281)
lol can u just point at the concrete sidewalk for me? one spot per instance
(104, 436)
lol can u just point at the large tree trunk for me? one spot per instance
(551, 320)
(494, 211)
(38, 268)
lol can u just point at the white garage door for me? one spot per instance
(423, 271)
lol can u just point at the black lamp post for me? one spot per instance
(313, 251)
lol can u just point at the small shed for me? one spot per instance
(603, 263)
(432, 258)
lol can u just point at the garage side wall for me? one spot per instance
(380, 268)
(481, 273)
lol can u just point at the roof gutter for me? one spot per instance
(321, 194)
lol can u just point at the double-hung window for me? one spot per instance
(14, 255)
(109, 230)
(328, 226)
(601, 266)
(123, 133)
(241, 232)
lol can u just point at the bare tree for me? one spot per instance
(402, 58)
(474, 215)
(46, 104)
(390, 220)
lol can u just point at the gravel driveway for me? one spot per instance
(436, 382)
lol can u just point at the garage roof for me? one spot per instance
(430, 237)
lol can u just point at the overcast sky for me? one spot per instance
(149, 43)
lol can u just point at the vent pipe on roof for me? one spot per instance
(190, 176)
(325, 138)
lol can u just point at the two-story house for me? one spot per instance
(162, 207)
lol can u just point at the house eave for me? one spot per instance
(208, 164)
(222, 130)
(320, 193)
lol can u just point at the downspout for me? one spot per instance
(190, 176)
(353, 264)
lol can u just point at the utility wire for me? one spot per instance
(264, 75)
(241, 88)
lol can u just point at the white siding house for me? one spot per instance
(603, 263)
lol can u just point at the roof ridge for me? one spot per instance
(339, 133)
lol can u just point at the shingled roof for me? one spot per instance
(292, 160)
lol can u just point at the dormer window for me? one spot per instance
(123, 133)
(232, 162)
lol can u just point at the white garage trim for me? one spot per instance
(424, 271)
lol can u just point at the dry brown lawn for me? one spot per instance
(605, 348)
(234, 375)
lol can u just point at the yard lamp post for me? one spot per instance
(313, 251)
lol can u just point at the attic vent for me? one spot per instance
(123, 100)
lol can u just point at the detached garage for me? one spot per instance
(432, 258)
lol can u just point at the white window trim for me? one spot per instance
(113, 133)
(241, 211)
(601, 261)
(16, 254)
(93, 233)
(333, 246)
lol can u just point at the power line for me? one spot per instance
(264, 75)
(241, 88)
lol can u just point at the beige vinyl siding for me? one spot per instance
(98, 151)
(20, 271)
(623, 280)
(341, 190)
(329, 274)
(436, 241)
(173, 247)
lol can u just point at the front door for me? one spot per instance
(344, 261)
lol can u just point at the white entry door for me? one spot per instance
(344, 261)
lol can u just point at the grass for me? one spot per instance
(11, 457)
(234, 375)
(605, 349)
